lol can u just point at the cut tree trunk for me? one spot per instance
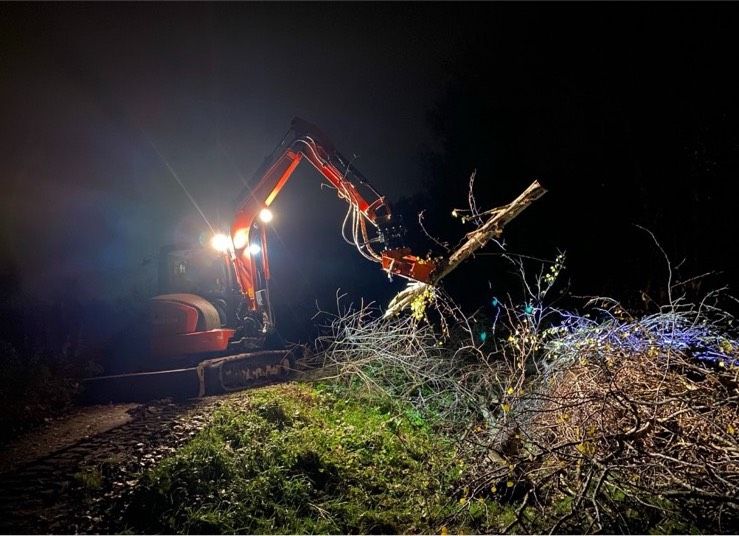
(475, 240)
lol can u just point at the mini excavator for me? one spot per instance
(211, 328)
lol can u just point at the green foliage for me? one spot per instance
(420, 302)
(297, 459)
(90, 477)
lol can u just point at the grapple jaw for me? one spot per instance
(401, 262)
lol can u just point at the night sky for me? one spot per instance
(627, 112)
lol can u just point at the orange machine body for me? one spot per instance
(187, 325)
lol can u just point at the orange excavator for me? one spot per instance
(211, 327)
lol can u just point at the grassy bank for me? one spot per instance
(302, 459)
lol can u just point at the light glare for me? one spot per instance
(265, 215)
(240, 238)
(220, 242)
(254, 249)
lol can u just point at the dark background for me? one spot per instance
(626, 112)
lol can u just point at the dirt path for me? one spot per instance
(65, 477)
(63, 432)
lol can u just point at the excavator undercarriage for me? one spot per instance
(210, 377)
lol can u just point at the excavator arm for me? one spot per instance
(368, 224)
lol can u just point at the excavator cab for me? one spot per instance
(200, 310)
(199, 270)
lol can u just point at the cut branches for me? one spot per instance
(491, 229)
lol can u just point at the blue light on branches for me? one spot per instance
(662, 333)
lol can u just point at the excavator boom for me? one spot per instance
(306, 142)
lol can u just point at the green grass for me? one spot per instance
(297, 459)
(90, 478)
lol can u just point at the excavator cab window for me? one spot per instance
(196, 270)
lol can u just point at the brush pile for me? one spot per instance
(632, 425)
(408, 360)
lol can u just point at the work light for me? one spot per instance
(265, 215)
(220, 242)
